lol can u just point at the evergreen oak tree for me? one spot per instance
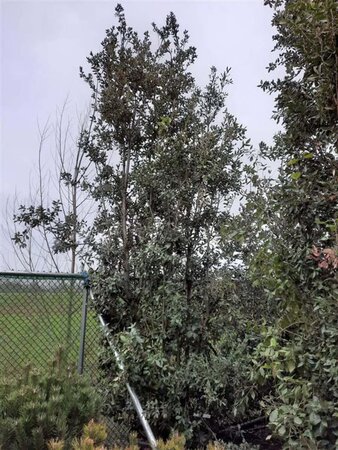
(168, 165)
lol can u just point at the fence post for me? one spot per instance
(83, 324)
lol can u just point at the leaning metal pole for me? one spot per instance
(133, 396)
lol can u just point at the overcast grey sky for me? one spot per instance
(43, 43)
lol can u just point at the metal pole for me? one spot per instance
(83, 330)
(133, 396)
(141, 416)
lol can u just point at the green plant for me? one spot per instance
(55, 444)
(93, 436)
(175, 442)
(159, 210)
(85, 443)
(292, 240)
(95, 431)
(39, 406)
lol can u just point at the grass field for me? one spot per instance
(35, 323)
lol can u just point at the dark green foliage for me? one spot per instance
(178, 152)
(291, 241)
(38, 406)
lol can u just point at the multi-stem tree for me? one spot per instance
(168, 164)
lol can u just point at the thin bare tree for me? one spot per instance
(45, 231)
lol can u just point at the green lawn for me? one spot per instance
(33, 325)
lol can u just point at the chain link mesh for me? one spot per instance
(39, 313)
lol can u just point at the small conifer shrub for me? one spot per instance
(41, 406)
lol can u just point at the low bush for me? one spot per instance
(94, 435)
(38, 406)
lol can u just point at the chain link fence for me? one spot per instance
(41, 312)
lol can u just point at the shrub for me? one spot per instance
(95, 431)
(39, 406)
(94, 434)
(176, 442)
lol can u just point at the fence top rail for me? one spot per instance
(44, 275)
